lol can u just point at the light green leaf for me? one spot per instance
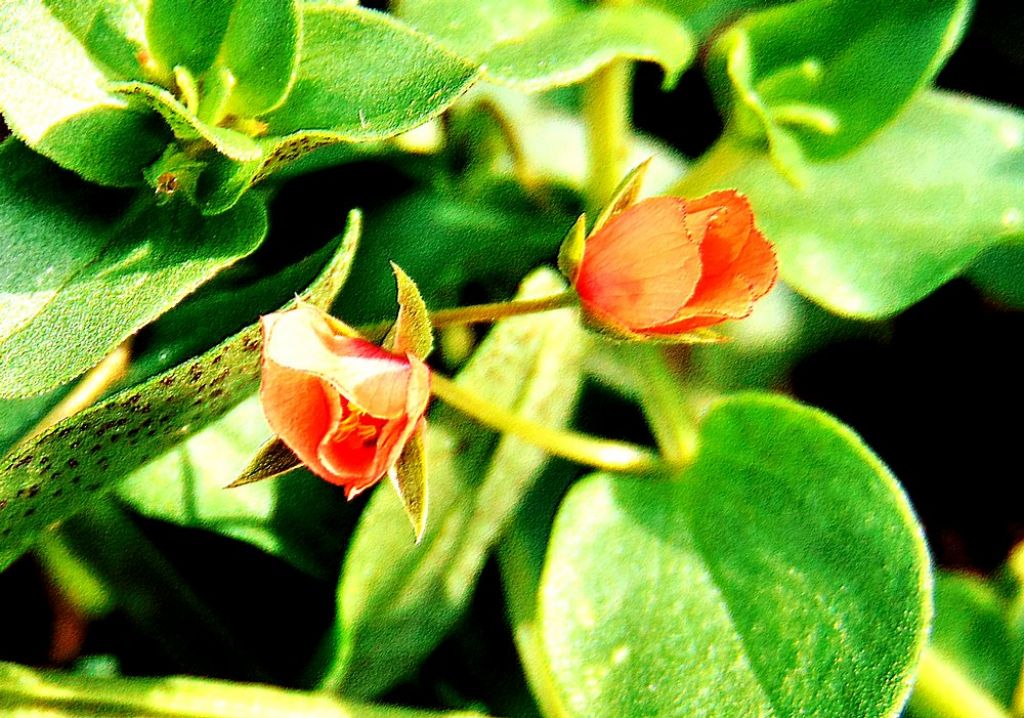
(261, 48)
(54, 97)
(782, 574)
(539, 44)
(187, 32)
(53, 476)
(876, 231)
(818, 77)
(77, 282)
(113, 32)
(186, 124)
(397, 599)
(26, 693)
(295, 517)
(363, 76)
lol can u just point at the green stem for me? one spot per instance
(942, 691)
(481, 313)
(606, 110)
(581, 448)
(25, 691)
(666, 406)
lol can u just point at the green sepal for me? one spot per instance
(624, 196)
(618, 332)
(272, 459)
(412, 332)
(570, 254)
(175, 172)
(187, 126)
(409, 477)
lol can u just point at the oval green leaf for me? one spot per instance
(363, 75)
(261, 48)
(82, 273)
(55, 474)
(783, 574)
(186, 32)
(874, 232)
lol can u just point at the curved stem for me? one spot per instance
(942, 691)
(581, 448)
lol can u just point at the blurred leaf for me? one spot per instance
(261, 48)
(819, 77)
(364, 76)
(537, 44)
(55, 475)
(54, 97)
(28, 693)
(783, 574)
(398, 599)
(77, 281)
(296, 517)
(999, 272)
(704, 16)
(873, 233)
(972, 633)
(448, 239)
(186, 32)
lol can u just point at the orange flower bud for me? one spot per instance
(667, 266)
(346, 407)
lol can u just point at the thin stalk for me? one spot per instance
(481, 313)
(666, 406)
(581, 448)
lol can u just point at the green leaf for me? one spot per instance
(819, 77)
(186, 125)
(572, 48)
(261, 48)
(55, 475)
(999, 272)
(364, 76)
(873, 233)
(397, 599)
(295, 517)
(782, 574)
(187, 32)
(539, 44)
(26, 692)
(112, 31)
(77, 282)
(54, 97)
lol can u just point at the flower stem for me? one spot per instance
(666, 406)
(581, 448)
(942, 691)
(606, 110)
(481, 313)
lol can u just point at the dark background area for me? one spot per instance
(939, 398)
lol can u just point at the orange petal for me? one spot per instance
(729, 221)
(642, 266)
(758, 265)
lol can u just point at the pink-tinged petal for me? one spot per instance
(642, 266)
(303, 339)
(297, 410)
